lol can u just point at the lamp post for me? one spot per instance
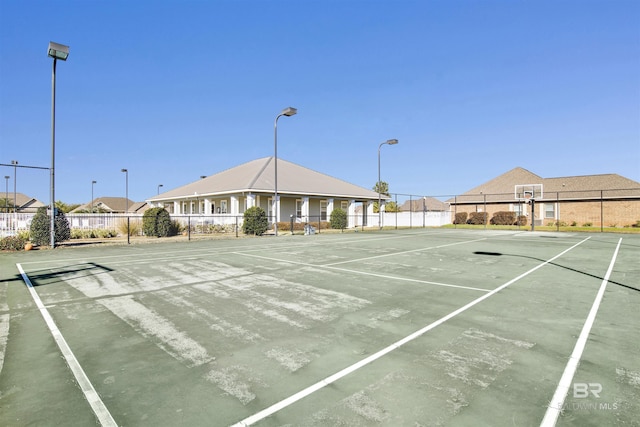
(289, 111)
(55, 51)
(92, 183)
(6, 193)
(388, 142)
(159, 186)
(126, 172)
(15, 180)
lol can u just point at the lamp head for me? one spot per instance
(289, 111)
(94, 182)
(58, 51)
(124, 170)
(392, 141)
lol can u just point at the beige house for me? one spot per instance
(304, 194)
(599, 200)
(113, 205)
(24, 203)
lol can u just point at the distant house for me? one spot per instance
(112, 205)
(424, 204)
(304, 194)
(24, 203)
(606, 199)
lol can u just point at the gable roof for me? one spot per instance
(257, 176)
(24, 203)
(586, 186)
(113, 204)
(429, 204)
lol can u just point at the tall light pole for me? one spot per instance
(159, 186)
(289, 111)
(55, 51)
(6, 193)
(388, 142)
(15, 180)
(126, 172)
(92, 184)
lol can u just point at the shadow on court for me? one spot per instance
(485, 253)
(45, 277)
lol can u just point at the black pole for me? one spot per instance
(189, 227)
(533, 210)
(128, 231)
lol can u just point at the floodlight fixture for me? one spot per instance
(58, 51)
(289, 111)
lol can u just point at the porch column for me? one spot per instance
(351, 214)
(234, 209)
(329, 208)
(251, 200)
(207, 207)
(305, 209)
(176, 207)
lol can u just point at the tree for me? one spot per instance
(255, 221)
(338, 219)
(65, 208)
(391, 207)
(384, 188)
(40, 231)
(381, 187)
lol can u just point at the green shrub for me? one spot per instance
(12, 243)
(338, 219)
(460, 218)
(40, 230)
(503, 218)
(156, 222)
(477, 218)
(587, 224)
(255, 221)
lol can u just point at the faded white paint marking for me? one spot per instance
(4, 336)
(346, 371)
(98, 407)
(557, 402)
(165, 334)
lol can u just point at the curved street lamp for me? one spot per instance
(92, 184)
(388, 142)
(289, 111)
(61, 52)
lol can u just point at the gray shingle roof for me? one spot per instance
(257, 176)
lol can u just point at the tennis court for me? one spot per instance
(420, 327)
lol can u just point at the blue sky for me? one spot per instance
(172, 90)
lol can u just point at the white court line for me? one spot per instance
(405, 252)
(557, 402)
(346, 371)
(330, 266)
(99, 408)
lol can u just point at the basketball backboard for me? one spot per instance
(527, 192)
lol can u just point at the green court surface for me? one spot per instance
(396, 328)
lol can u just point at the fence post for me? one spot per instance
(128, 230)
(558, 211)
(601, 212)
(236, 225)
(189, 227)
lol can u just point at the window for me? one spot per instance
(298, 209)
(549, 210)
(323, 210)
(223, 206)
(344, 205)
